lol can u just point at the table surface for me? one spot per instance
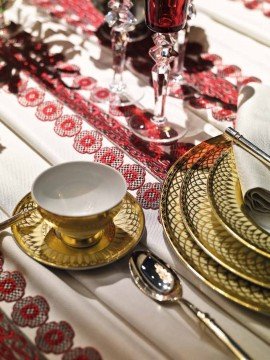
(101, 309)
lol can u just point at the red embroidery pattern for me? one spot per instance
(51, 337)
(30, 311)
(68, 125)
(12, 286)
(84, 82)
(88, 353)
(87, 142)
(76, 13)
(13, 343)
(99, 95)
(54, 337)
(262, 5)
(149, 194)
(110, 156)
(216, 89)
(49, 111)
(31, 97)
(134, 175)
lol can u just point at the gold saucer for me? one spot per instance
(197, 261)
(39, 240)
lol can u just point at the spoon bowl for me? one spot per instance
(154, 278)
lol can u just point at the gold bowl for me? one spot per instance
(79, 200)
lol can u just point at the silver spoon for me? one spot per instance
(157, 280)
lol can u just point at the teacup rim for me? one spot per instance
(84, 215)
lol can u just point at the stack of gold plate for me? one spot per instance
(204, 220)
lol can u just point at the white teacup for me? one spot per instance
(79, 199)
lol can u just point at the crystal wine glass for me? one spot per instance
(166, 18)
(122, 22)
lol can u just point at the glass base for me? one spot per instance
(116, 96)
(143, 127)
(125, 98)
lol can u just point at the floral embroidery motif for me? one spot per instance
(84, 82)
(85, 15)
(223, 114)
(244, 80)
(31, 97)
(87, 142)
(111, 156)
(30, 311)
(49, 111)
(12, 286)
(100, 94)
(148, 195)
(88, 353)
(54, 337)
(13, 343)
(262, 5)
(134, 175)
(228, 71)
(68, 125)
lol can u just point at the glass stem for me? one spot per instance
(180, 47)
(119, 48)
(163, 54)
(160, 75)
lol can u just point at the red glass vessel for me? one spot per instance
(166, 16)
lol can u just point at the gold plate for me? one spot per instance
(38, 240)
(210, 235)
(203, 266)
(226, 199)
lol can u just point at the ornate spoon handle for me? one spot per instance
(217, 330)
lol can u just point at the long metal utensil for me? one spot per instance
(247, 145)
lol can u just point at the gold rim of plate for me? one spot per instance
(225, 196)
(202, 265)
(38, 239)
(209, 233)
